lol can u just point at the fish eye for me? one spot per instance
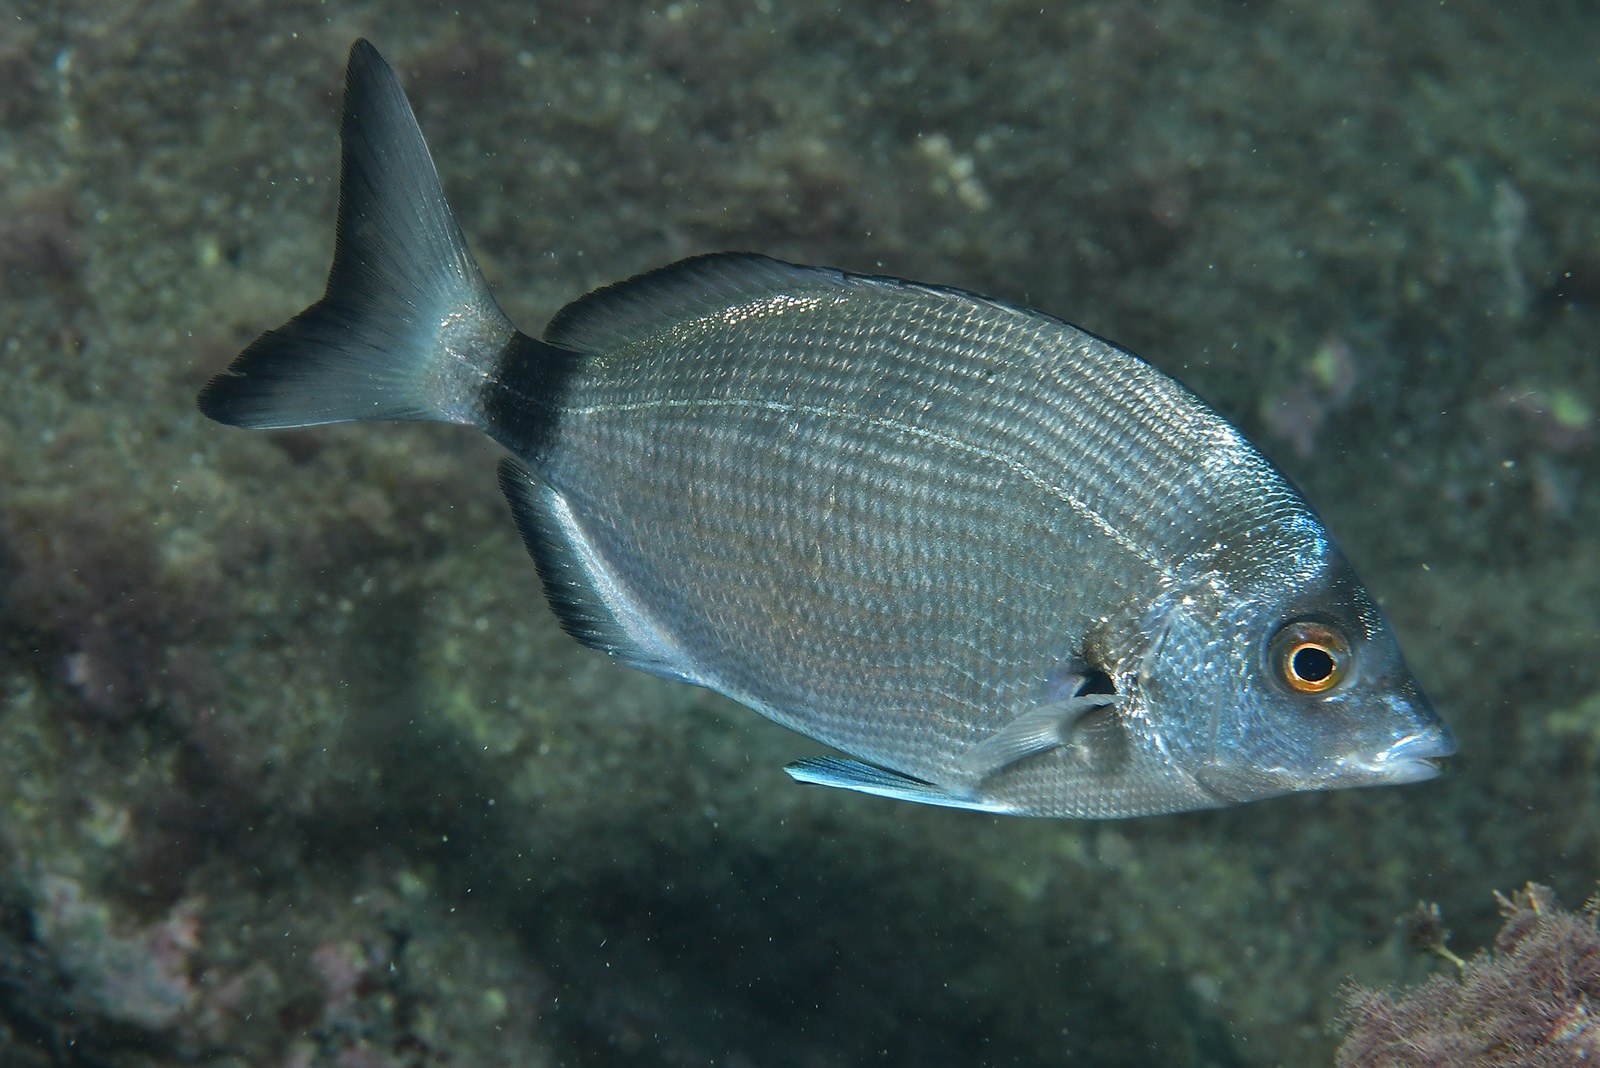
(1309, 657)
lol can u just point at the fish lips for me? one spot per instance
(1415, 757)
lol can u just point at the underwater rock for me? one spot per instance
(1532, 1000)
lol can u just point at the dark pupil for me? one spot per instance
(1311, 664)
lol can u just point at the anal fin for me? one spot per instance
(587, 598)
(881, 782)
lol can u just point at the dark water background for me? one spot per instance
(296, 768)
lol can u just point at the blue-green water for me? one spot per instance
(295, 766)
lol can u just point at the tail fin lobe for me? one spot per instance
(407, 328)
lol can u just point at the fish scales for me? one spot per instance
(878, 511)
(1001, 563)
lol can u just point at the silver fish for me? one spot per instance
(1000, 562)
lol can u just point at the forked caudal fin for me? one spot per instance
(407, 329)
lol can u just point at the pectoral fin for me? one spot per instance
(881, 782)
(1035, 731)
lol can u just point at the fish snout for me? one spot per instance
(1413, 758)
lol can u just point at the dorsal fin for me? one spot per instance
(636, 308)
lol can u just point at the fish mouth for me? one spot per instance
(1413, 758)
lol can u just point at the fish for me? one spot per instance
(994, 561)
